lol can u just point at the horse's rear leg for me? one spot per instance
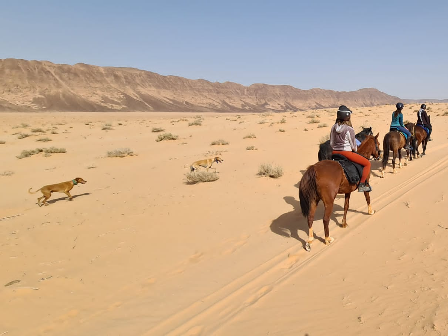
(394, 156)
(328, 202)
(424, 143)
(310, 219)
(346, 204)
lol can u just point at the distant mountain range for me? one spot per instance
(45, 86)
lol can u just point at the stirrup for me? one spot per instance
(362, 187)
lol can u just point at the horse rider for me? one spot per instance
(342, 141)
(423, 120)
(397, 124)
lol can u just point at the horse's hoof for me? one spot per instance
(371, 212)
(329, 240)
(344, 225)
(308, 247)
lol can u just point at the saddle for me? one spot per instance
(352, 170)
(403, 134)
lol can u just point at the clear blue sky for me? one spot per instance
(399, 47)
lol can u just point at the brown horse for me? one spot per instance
(419, 137)
(394, 141)
(323, 181)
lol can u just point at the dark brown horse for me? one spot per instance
(419, 137)
(323, 181)
(394, 141)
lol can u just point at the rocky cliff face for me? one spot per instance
(45, 86)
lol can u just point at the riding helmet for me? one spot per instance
(399, 106)
(423, 106)
(344, 113)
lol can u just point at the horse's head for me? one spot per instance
(370, 147)
(367, 130)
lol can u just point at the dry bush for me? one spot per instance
(219, 142)
(266, 169)
(28, 153)
(37, 130)
(53, 150)
(2, 142)
(7, 173)
(283, 121)
(322, 125)
(281, 130)
(107, 127)
(123, 152)
(54, 132)
(305, 129)
(250, 136)
(311, 116)
(44, 139)
(22, 125)
(262, 122)
(251, 148)
(445, 113)
(197, 122)
(166, 136)
(158, 129)
(202, 176)
(22, 136)
(314, 121)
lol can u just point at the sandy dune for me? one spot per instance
(140, 252)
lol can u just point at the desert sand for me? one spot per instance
(141, 252)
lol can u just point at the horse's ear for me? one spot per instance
(376, 136)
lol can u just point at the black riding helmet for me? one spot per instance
(344, 113)
(399, 106)
(423, 106)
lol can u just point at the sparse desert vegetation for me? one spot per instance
(37, 130)
(267, 169)
(196, 122)
(22, 136)
(157, 129)
(46, 151)
(219, 142)
(249, 136)
(166, 136)
(7, 173)
(201, 176)
(44, 139)
(2, 142)
(121, 153)
(251, 148)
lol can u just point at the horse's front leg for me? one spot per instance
(310, 219)
(424, 143)
(327, 214)
(399, 158)
(369, 207)
(346, 204)
(394, 157)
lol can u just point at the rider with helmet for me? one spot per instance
(342, 140)
(397, 124)
(423, 120)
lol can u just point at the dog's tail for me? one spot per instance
(32, 192)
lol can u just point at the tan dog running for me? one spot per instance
(207, 163)
(63, 187)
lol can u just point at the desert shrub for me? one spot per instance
(22, 125)
(166, 136)
(37, 130)
(281, 130)
(158, 129)
(251, 148)
(250, 136)
(28, 153)
(197, 122)
(283, 121)
(266, 114)
(2, 142)
(54, 132)
(314, 121)
(123, 152)
(22, 136)
(44, 139)
(266, 169)
(305, 129)
(262, 122)
(445, 113)
(219, 142)
(107, 127)
(7, 173)
(322, 125)
(201, 176)
(52, 150)
(311, 116)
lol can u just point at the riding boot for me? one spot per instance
(408, 144)
(364, 187)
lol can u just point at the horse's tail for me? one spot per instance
(32, 192)
(308, 190)
(386, 145)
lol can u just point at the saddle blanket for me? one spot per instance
(425, 128)
(352, 170)
(403, 134)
